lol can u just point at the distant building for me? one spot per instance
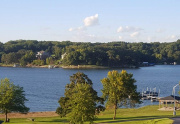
(42, 55)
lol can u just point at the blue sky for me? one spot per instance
(90, 20)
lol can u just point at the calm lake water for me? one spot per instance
(44, 87)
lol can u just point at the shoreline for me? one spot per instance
(64, 67)
(84, 67)
(74, 66)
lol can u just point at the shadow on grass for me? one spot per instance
(126, 119)
(56, 120)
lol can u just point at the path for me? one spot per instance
(176, 120)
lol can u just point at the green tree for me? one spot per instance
(27, 58)
(12, 98)
(119, 89)
(49, 60)
(57, 52)
(9, 58)
(38, 62)
(82, 104)
(75, 89)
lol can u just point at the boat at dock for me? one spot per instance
(150, 94)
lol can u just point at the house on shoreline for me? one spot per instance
(42, 55)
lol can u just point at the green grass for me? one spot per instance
(148, 114)
(144, 115)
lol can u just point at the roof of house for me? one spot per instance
(171, 97)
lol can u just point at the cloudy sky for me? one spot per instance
(90, 20)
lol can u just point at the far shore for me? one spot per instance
(84, 67)
(60, 66)
(71, 66)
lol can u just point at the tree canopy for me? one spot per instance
(83, 105)
(113, 54)
(12, 98)
(80, 99)
(119, 89)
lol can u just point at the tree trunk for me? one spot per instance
(115, 107)
(6, 116)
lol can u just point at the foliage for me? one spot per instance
(49, 60)
(78, 102)
(12, 98)
(27, 58)
(113, 54)
(38, 62)
(82, 104)
(119, 89)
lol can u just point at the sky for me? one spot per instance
(90, 20)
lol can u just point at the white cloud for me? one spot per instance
(149, 39)
(128, 29)
(88, 21)
(135, 34)
(81, 28)
(120, 29)
(173, 36)
(91, 35)
(120, 37)
(159, 30)
(91, 21)
(70, 29)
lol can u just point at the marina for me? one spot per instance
(150, 94)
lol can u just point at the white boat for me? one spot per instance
(50, 66)
(150, 95)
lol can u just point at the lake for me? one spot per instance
(43, 87)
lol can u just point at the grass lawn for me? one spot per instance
(144, 115)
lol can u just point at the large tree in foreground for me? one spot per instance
(80, 99)
(119, 89)
(12, 98)
(82, 103)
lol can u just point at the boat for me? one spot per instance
(16, 65)
(154, 99)
(50, 66)
(150, 95)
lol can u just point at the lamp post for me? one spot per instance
(174, 112)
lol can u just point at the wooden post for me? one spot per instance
(166, 103)
(163, 104)
(159, 104)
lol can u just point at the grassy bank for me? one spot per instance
(144, 115)
(5, 65)
(60, 66)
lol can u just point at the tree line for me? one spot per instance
(112, 54)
